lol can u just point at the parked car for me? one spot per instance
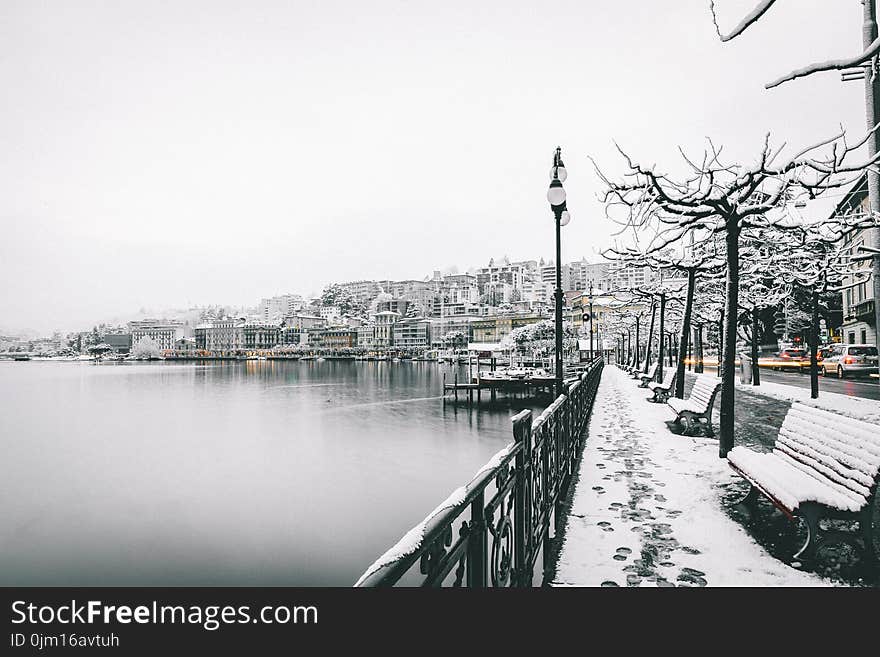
(846, 359)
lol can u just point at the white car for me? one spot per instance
(846, 359)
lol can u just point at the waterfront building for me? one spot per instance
(366, 335)
(164, 332)
(336, 337)
(121, 342)
(184, 346)
(412, 334)
(226, 334)
(201, 336)
(256, 336)
(384, 328)
(443, 326)
(495, 329)
(291, 336)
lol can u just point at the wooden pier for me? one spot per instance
(494, 383)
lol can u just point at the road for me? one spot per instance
(854, 387)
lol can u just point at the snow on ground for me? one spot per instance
(856, 407)
(647, 507)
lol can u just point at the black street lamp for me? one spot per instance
(556, 196)
(592, 356)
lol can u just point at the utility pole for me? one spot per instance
(872, 94)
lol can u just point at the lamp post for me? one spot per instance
(556, 197)
(592, 356)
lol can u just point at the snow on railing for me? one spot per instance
(514, 499)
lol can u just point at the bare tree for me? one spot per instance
(718, 199)
(867, 58)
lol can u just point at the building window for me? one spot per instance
(864, 336)
(851, 337)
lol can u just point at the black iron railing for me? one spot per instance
(493, 531)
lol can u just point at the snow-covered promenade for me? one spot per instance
(648, 508)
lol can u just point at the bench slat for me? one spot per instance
(843, 463)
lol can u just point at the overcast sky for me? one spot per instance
(167, 154)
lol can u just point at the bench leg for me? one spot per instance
(750, 502)
(866, 528)
(811, 513)
(710, 432)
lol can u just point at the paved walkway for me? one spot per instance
(649, 508)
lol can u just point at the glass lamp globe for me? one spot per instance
(558, 172)
(564, 218)
(556, 194)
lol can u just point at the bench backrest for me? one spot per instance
(651, 371)
(844, 450)
(704, 390)
(669, 377)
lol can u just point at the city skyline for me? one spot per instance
(122, 317)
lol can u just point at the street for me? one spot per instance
(854, 387)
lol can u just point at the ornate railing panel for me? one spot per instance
(492, 531)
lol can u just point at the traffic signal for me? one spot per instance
(779, 323)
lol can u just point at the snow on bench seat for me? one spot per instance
(820, 457)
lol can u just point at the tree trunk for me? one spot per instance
(685, 333)
(720, 341)
(661, 337)
(692, 336)
(756, 371)
(728, 389)
(814, 346)
(698, 366)
(638, 349)
(650, 337)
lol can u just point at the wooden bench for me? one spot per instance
(647, 377)
(663, 389)
(698, 405)
(822, 465)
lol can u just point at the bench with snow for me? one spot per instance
(698, 405)
(635, 371)
(823, 465)
(663, 389)
(646, 377)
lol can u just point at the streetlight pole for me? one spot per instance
(592, 356)
(556, 197)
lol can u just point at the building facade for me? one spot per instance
(858, 300)
(412, 334)
(163, 332)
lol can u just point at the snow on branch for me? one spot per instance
(744, 24)
(830, 65)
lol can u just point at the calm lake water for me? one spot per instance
(232, 473)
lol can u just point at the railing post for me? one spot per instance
(477, 544)
(522, 516)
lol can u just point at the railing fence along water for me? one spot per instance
(493, 531)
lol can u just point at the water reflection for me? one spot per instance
(255, 472)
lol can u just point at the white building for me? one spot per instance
(547, 275)
(274, 309)
(164, 332)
